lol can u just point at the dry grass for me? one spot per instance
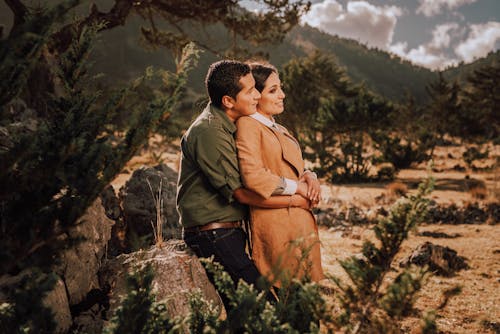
(479, 302)
(477, 308)
(158, 225)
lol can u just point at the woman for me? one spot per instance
(285, 242)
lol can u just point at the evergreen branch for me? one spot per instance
(19, 11)
(116, 16)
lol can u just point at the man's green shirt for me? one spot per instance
(209, 171)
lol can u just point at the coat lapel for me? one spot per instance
(290, 148)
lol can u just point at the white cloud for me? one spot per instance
(433, 7)
(482, 39)
(441, 36)
(431, 54)
(421, 56)
(360, 20)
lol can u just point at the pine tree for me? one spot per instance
(353, 120)
(406, 139)
(443, 109)
(59, 160)
(52, 174)
(309, 83)
(298, 310)
(481, 100)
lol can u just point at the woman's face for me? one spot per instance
(272, 96)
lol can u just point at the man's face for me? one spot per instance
(247, 98)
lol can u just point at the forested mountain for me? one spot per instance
(121, 55)
(462, 71)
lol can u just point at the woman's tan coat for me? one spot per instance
(280, 238)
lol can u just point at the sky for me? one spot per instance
(431, 33)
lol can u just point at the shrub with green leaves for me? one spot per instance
(370, 304)
(300, 308)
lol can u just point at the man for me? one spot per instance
(210, 197)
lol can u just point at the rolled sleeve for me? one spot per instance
(217, 159)
(290, 187)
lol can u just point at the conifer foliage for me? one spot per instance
(332, 117)
(300, 308)
(368, 304)
(52, 170)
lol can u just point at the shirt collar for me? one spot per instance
(264, 120)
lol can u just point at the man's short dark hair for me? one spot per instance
(223, 79)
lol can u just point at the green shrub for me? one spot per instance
(367, 305)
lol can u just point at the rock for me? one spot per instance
(340, 217)
(386, 171)
(178, 272)
(493, 210)
(431, 234)
(57, 301)
(30, 282)
(472, 213)
(80, 263)
(111, 203)
(89, 321)
(444, 261)
(118, 243)
(139, 210)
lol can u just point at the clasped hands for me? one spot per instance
(308, 192)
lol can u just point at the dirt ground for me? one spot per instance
(478, 305)
(477, 308)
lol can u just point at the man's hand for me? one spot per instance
(313, 189)
(299, 201)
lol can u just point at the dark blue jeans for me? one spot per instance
(227, 246)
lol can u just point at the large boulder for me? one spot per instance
(441, 260)
(76, 270)
(57, 301)
(177, 274)
(140, 201)
(118, 243)
(80, 263)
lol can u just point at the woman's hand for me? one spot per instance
(313, 192)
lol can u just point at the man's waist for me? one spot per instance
(214, 226)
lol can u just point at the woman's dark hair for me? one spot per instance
(223, 78)
(260, 72)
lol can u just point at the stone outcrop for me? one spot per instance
(138, 195)
(441, 260)
(57, 301)
(80, 264)
(178, 273)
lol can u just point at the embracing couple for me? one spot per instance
(239, 165)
